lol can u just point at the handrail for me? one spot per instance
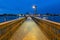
(4, 24)
(8, 28)
(50, 28)
(9, 21)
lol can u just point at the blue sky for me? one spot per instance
(23, 6)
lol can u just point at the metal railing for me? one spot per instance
(8, 28)
(50, 29)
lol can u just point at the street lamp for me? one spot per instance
(35, 9)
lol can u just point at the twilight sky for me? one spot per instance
(23, 6)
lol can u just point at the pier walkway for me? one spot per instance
(30, 28)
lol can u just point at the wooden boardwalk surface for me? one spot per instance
(29, 30)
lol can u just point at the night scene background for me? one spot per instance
(24, 6)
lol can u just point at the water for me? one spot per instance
(52, 18)
(7, 18)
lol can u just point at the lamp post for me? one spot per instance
(35, 9)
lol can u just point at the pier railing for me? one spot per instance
(8, 28)
(50, 29)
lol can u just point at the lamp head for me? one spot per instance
(34, 7)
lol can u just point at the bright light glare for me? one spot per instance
(33, 7)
